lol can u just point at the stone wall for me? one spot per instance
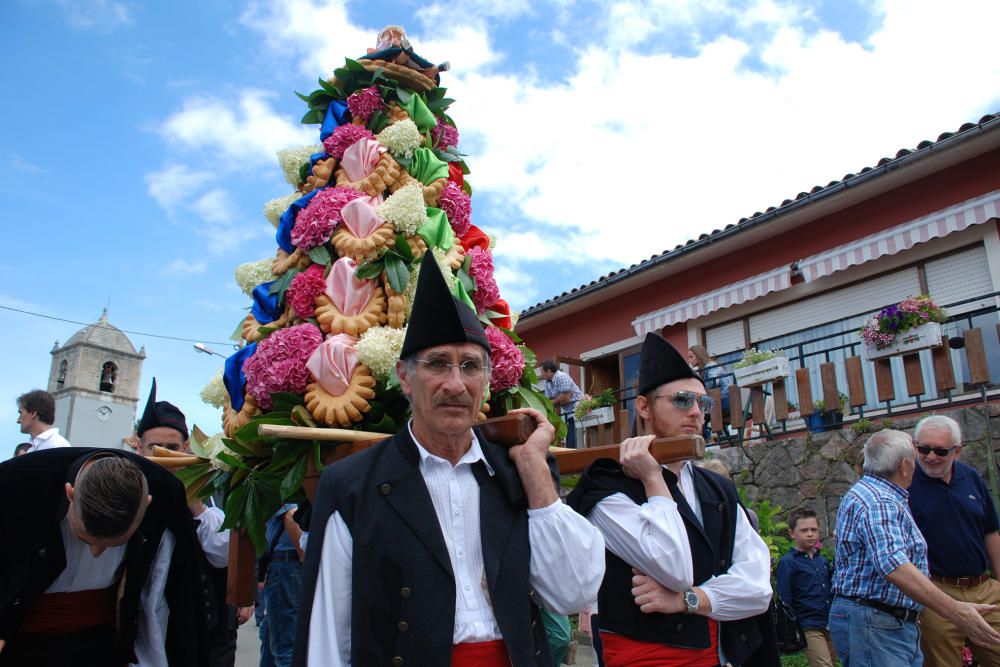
(816, 469)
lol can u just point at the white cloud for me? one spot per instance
(183, 267)
(101, 15)
(516, 286)
(248, 129)
(19, 163)
(172, 185)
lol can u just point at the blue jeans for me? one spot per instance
(867, 637)
(570, 431)
(281, 608)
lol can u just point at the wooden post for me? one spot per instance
(914, 374)
(975, 352)
(883, 380)
(944, 373)
(780, 400)
(757, 405)
(735, 407)
(855, 382)
(241, 580)
(716, 413)
(804, 384)
(831, 394)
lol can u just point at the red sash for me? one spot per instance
(57, 613)
(480, 654)
(620, 651)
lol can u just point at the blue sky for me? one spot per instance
(137, 139)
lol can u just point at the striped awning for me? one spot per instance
(709, 302)
(902, 237)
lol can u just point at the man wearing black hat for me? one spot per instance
(164, 425)
(437, 547)
(98, 564)
(686, 573)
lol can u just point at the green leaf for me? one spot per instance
(302, 417)
(304, 98)
(284, 401)
(255, 523)
(191, 473)
(237, 335)
(292, 482)
(370, 269)
(235, 506)
(404, 95)
(354, 66)
(304, 171)
(445, 156)
(317, 457)
(329, 88)
(468, 282)
(435, 94)
(237, 447)
(281, 284)
(320, 254)
(396, 271)
(403, 248)
(233, 461)
(344, 76)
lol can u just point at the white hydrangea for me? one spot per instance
(251, 274)
(291, 160)
(274, 209)
(411, 286)
(212, 447)
(405, 209)
(214, 393)
(401, 138)
(378, 349)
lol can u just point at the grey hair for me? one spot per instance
(885, 451)
(939, 423)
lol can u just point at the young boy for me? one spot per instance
(804, 584)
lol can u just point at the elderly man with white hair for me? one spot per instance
(880, 581)
(953, 509)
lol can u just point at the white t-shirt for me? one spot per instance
(47, 440)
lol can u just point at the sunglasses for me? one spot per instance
(938, 451)
(683, 400)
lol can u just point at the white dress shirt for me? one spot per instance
(84, 572)
(652, 538)
(566, 567)
(215, 544)
(47, 440)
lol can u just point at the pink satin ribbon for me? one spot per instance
(347, 293)
(361, 157)
(332, 363)
(360, 217)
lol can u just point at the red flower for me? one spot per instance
(455, 174)
(475, 238)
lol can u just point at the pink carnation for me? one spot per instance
(363, 103)
(457, 206)
(444, 135)
(315, 223)
(481, 270)
(279, 363)
(344, 137)
(506, 360)
(305, 287)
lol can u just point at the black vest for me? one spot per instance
(32, 553)
(403, 597)
(711, 551)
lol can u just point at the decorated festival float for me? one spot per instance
(382, 193)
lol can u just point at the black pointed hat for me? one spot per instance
(660, 362)
(438, 318)
(161, 414)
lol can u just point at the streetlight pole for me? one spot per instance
(204, 349)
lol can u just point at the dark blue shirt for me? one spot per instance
(954, 517)
(804, 585)
(276, 526)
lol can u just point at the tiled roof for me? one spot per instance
(803, 198)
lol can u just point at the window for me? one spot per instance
(109, 374)
(61, 378)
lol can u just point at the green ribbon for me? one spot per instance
(436, 232)
(426, 167)
(418, 112)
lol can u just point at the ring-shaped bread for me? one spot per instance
(332, 321)
(349, 245)
(283, 261)
(251, 332)
(385, 174)
(233, 420)
(346, 409)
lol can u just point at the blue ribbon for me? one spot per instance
(233, 376)
(336, 115)
(284, 234)
(266, 307)
(314, 158)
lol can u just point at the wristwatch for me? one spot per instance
(691, 600)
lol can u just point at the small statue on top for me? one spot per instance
(393, 46)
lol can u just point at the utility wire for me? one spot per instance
(134, 333)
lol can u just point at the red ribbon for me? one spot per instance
(620, 651)
(480, 654)
(57, 613)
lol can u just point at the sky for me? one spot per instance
(138, 139)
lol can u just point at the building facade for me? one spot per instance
(94, 379)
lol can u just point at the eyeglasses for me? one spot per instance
(470, 368)
(683, 400)
(938, 451)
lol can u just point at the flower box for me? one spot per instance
(762, 372)
(918, 338)
(604, 415)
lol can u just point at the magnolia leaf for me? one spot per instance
(281, 284)
(403, 248)
(354, 66)
(320, 254)
(255, 523)
(238, 447)
(285, 401)
(232, 460)
(370, 269)
(446, 157)
(343, 76)
(292, 481)
(235, 503)
(191, 473)
(396, 271)
(468, 282)
(317, 457)
(329, 87)
(302, 416)
(403, 94)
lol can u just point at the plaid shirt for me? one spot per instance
(875, 535)
(561, 382)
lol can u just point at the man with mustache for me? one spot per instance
(688, 579)
(437, 547)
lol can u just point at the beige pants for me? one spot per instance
(819, 648)
(942, 642)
